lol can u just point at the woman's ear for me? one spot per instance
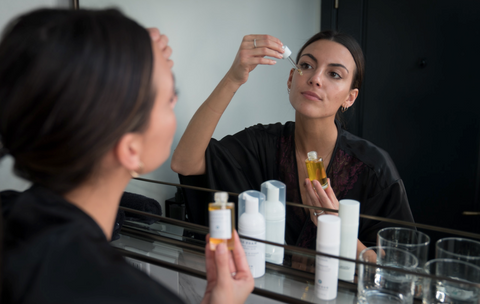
(128, 151)
(352, 96)
(290, 77)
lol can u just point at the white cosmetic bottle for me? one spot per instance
(251, 223)
(326, 269)
(349, 213)
(275, 220)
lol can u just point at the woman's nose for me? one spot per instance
(316, 80)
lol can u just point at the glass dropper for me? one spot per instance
(287, 55)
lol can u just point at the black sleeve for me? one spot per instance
(236, 163)
(391, 203)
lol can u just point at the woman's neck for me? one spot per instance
(99, 198)
(315, 135)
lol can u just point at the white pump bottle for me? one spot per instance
(275, 224)
(252, 224)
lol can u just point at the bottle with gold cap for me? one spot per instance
(316, 169)
(221, 218)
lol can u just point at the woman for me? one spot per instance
(332, 66)
(86, 101)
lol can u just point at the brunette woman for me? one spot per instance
(332, 65)
(86, 101)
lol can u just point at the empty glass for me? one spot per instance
(378, 285)
(442, 291)
(458, 248)
(413, 241)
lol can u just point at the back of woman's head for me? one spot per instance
(71, 84)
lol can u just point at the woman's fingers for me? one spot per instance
(311, 199)
(253, 51)
(162, 43)
(326, 200)
(222, 263)
(259, 41)
(331, 195)
(210, 269)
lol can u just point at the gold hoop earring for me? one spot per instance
(344, 109)
(138, 172)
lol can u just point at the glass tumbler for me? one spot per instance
(465, 291)
(458, 248)
(411, 240)
(379, 285)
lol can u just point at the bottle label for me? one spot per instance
(220, 224)
(255, 253)
(326, 277)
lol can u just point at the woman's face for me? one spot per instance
(158, 138)
(328, 69)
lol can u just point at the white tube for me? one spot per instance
(326, 269)
(349, 213)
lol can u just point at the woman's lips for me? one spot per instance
(311, 95)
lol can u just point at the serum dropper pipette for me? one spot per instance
(287, 55)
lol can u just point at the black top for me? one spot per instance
(358, 170)
(56, 253)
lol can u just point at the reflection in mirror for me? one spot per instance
(203, 52)
(206, 57)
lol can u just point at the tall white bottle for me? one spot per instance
(349, 212)
(326, 269)
(252, 223)
(275, 220)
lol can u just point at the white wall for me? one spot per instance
(9, 9)
(205, 36)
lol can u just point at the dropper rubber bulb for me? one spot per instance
(287, 55)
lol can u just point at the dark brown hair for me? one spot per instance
(71, 84)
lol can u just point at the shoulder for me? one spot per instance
(377, 160)
(62, 253)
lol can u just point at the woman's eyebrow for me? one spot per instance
(339, 65)
(330, 64)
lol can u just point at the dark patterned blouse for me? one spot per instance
(358, 170)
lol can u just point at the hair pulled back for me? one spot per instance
(71, 84)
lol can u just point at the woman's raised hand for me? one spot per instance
(318, 197)
(252, 52)
(162, 42)
(229, 279)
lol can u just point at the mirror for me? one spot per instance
(205, 37)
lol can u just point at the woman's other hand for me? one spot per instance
(162, 42)
(318, 197)
(252, 52)
(229, 279)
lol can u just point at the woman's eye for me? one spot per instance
(335, 75)
(305, 66)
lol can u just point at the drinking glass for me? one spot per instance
(458, 248)
(378, 285)
(442, 291)
(413, 241)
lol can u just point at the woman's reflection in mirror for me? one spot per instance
(333, 65)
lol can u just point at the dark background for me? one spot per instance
(420, 98)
